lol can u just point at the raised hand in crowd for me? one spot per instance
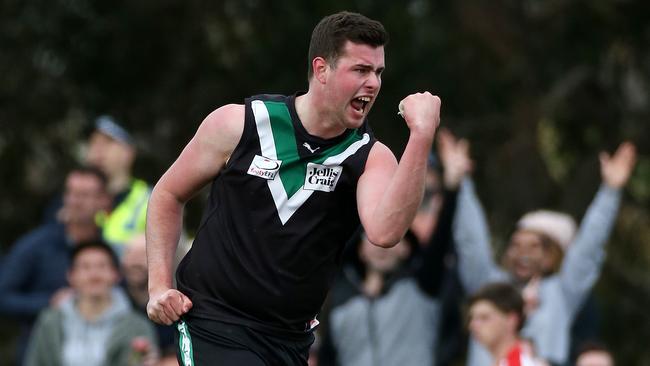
(454, 155)
(616, 169)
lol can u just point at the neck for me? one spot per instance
(501, 349)
(91, 308)
(81, 232)
(315, 116)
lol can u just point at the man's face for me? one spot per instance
(487, 324)
(110, 156)
(134, 262)
(595, 358)
(383, 260)
(353, 82)
(524, 257)
(84, 197)
(92, 274)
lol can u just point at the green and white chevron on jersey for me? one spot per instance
(278, 142)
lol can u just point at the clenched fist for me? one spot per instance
(167, 306)
(421, 112)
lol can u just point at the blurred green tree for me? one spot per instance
(538, 87)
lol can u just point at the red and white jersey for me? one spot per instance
(519, 355)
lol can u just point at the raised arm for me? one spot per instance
(456, 163)
(584, 258)
(388, 194)
(201, 160)
(471, 235)
(431, 271)
(476, 262)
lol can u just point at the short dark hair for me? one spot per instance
(94, 244)
(504, 297)
(331, 33)
(90, 170)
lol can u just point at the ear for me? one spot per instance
(131, 154)
(321, 68)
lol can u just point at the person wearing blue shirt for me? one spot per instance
(33, 272)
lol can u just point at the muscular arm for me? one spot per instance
(388, 194)
(201, 160)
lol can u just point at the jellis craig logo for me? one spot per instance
(322, 177)
(264, 167)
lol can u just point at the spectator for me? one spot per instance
(496, 315)
(134, 268)
(379, 302)
(426, 217)
(34, 270)
(553, 289)
(96, 325)
(112, 149)
(455, 164)
(389, 296)
(594, 354)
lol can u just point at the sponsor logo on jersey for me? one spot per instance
(322, 177)
(308, 147)
(264, 167)
(311, 324)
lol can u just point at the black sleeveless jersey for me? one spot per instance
(276, 222)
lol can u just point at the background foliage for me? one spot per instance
(539, 88)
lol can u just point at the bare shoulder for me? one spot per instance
(380, 156)
(380, 166)
(206, 153)
(223, 127)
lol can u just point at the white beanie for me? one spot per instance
(558, 226)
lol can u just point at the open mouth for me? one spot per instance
(360, 103)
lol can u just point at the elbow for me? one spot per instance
(384, 240)
(160, 194)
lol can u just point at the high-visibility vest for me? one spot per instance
(129, 216)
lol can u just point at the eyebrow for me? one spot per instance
(370, 67)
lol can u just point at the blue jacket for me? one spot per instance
(32, 271)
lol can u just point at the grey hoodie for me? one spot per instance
(63, 337)
(398, 328)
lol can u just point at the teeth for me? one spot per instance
(365, 101)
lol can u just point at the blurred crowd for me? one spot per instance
(77, 282)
